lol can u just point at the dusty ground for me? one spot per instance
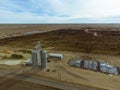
(60, 70)
(15, 84)
(13, 54)
(11, 29)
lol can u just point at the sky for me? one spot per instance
(59, 11)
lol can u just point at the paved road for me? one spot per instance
(44, 81)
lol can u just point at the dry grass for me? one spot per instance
(10, 29)
(16, 56)
(68, 40)
(25, 51)
(13, 56)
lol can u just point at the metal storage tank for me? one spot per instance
(75, 62)
(43, 59)
(39, 57)
(106, 68)
(34, 59)
(92, 65)
(38, 49)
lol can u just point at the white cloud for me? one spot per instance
(87, 8)
(42, 11)
(102, 8)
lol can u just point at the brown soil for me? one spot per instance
(60, 70)
(68, 40)
(11, 29)
(73, 40)
(15, 84)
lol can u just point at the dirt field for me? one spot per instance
(15, 84)
(68, 40)
(10, 29)
(60, 70)
(71, 42)
(22, 28)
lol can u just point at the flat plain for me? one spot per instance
(90, 41)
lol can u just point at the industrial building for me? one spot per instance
(40, 56)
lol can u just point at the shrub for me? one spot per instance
(16, 56)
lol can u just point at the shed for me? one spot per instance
(55, 55)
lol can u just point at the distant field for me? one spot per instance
(20, 28)
(70, 39)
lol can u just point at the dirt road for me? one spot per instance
(44, 81)
(26, 33)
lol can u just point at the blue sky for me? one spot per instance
(59, 11)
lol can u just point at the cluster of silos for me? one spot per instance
(100, 66)
(39, 57)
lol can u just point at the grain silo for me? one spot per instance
(34, 59)
(43, 59)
